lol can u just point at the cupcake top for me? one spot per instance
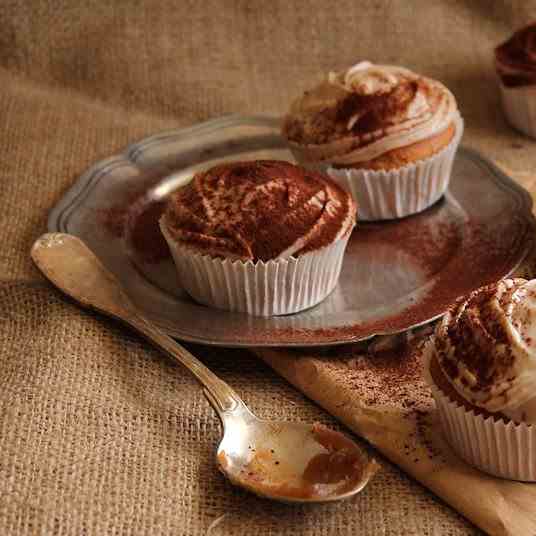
(515, 59)
(486, 345)
(259, 210)
(366, 111)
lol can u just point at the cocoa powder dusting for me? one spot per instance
(259, 210)
(474, 333)
(135, 219)
(312, 124)
(431, 238)
(422, 441)
(391, 378)
(514, 59)
(114, 218)
(389, 381)
(144, 232)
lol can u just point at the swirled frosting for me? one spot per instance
(515, 59)
(486, 348)
(259, 210)
(366, 111)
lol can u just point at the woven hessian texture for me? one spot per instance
(99, 434)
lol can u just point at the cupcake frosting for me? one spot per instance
(515, 59)
(486, 347)
(366, 111)
(259, 210)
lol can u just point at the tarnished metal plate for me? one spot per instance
(396, 275)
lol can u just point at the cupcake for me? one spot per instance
(263, 237)
(386, 134)
(515, 62)
(481, 366)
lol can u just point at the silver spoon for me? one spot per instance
(286, 461)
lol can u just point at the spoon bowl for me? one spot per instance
(285, 461)
(292, 462)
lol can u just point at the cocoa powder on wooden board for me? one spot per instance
(390, 376)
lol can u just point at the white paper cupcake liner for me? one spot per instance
(275, 287)
(503, 449)
(519, 105)
(387, 195)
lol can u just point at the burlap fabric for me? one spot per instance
(98, 433)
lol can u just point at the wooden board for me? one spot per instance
(382, 397)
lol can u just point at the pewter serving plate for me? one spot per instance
(395, 276)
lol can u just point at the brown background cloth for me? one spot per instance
(98, 433)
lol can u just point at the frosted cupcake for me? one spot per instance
(481, 365)
(386, 134)
(515, 62)
(263, 237)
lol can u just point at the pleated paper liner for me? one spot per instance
(500, 448)
(386, 195)
(274, 287)
(519, 105)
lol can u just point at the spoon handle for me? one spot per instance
(73, 268)
(221, 396)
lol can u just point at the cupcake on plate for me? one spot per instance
(515, 62)
(263, 237)
(481, 366)
(387, 134)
